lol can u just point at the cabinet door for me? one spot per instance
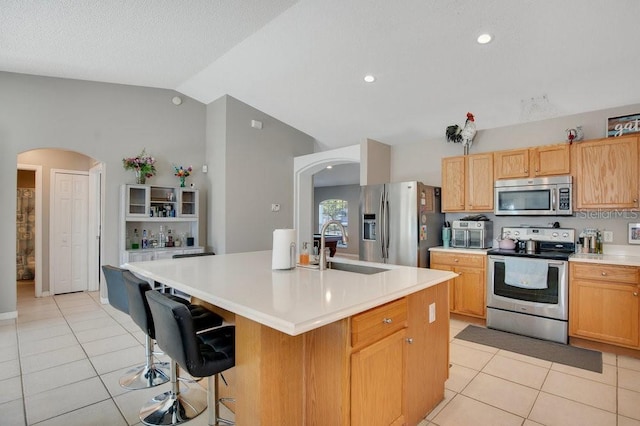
(451, 285)
(427, 351)
(188, 203)
(470, 293)
(137, 200)
(453, 183)
(511, 164)
(607, 312)
(551, 160)
(140, 257)
(479, 183)
(607, 173)
(377, 382)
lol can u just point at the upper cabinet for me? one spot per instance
(467, 183)
(550, 160)
(606, 173)
(146, 201)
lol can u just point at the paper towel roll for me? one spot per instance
(284, 249)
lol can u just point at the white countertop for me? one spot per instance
(628, 255)
(292, 301)
(460, 250)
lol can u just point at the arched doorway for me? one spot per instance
(304, 168)
(46, 163)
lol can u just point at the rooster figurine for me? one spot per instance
(464, 135)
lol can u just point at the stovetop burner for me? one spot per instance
(543, 254)
(553, 243)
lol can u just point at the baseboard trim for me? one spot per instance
(8, 315)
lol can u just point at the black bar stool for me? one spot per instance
(149, 374)
(201, 355)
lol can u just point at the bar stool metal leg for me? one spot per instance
(148, 375)
(176, 406)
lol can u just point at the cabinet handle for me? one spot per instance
(604, 274)
(635, 293)
(410, 340)
(387, 320)
(455, 260)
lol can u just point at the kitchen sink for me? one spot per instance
(358, 269)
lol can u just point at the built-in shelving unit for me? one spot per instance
(154, 210)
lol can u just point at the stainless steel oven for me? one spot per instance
(540, 310)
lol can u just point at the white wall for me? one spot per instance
(104, 121)
(258, 172)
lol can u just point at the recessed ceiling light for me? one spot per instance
(329, 167)
(484, 38)
(369, 78)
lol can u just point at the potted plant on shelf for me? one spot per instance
(182, 173)
(143, 164)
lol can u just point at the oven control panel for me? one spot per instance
(562, 235)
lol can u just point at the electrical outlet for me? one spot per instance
(432, 312)
(608, 236)
(275, 207)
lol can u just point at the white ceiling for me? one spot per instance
(303, 62)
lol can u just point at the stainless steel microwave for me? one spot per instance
(550, 196)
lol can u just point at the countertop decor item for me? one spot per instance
(623, 125)
(463, 135)
(143, 164)
(182, 173)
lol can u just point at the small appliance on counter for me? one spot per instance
(476, 234)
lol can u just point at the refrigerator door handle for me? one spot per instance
(382, 225)
(387, 230)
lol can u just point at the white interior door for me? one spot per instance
(69, 242)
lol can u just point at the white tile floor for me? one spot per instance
(61, 360)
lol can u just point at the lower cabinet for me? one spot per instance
(385, 366)
(377, 382)
(604, 304)
(156, 254)
(468, 291)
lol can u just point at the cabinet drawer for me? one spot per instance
(597, 272)
(374, 324)
(458, 259)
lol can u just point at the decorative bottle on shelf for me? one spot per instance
(145, 242)
(135, 244)
(162, 239)
(169, 238)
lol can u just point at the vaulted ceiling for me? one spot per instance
(303, 62)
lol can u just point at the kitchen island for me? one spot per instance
(324, 347)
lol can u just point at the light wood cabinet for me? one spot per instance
(540, 161)
(427, 360)
(467, 183)
(604, 303)
(377, 382)
(606, 173)
(384, 366)
(467, 292)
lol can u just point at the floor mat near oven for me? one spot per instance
(542, 349)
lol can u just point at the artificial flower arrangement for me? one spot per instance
(143, 163)
(182, 173)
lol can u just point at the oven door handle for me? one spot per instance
(554, 199)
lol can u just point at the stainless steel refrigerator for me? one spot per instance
(399, 222)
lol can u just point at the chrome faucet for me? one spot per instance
(323, 256)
